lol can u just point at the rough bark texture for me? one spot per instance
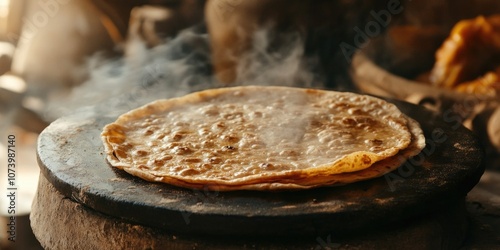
(60, 223)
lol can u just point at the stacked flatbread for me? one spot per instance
(262, 138)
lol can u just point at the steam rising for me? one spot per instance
(178, 67)
(282, 64)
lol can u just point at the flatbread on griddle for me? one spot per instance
(262, 138)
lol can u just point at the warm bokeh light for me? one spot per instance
(12, 83)
(4, 11)
(4, 8)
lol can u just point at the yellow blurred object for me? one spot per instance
(4, 11)
(471, 50)
(487, 85)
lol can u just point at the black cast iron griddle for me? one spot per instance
(71, 157)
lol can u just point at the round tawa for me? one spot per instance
(71, 157)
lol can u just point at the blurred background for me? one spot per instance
(108, 56)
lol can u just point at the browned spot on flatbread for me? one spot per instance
(366, 159)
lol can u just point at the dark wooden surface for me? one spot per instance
(71, 157)
(52, 213)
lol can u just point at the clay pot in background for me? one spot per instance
(393, 65)
(55, 42)
(322, 25)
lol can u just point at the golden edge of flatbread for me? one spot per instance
(364, 159)
(378, 169)
(301, 183)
